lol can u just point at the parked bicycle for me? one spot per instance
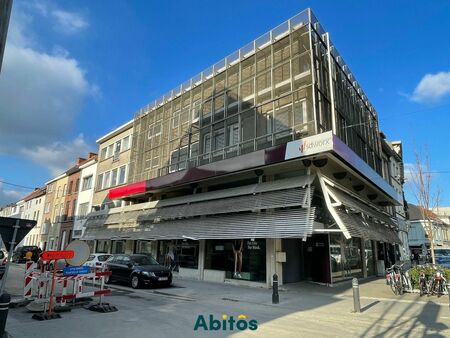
(398, 279)
(437, 283)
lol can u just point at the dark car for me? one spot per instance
(19, 255)
(138, 270)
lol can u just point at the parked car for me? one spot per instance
(138, 270)
(97, 260)
(19, 255)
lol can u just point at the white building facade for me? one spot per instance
(85, 194)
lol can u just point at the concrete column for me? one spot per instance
(272, 246)
(270, 261)
(201, 258)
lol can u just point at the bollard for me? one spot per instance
(4, 306)
(275, 296)
(356, 302)
(448, 292)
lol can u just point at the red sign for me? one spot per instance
(51, 255)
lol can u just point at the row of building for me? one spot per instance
(269, 161)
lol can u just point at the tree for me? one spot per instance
(427, 196)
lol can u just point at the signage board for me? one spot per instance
(52, 255)
(76, 270)
(309, 145)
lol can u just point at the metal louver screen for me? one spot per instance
(358, 226)
(360, 206)
(268, 200)
(274, 224)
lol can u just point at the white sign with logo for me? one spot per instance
(309, 145)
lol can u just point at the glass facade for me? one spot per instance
(287, 84)
(240, 259)
(346, 257)
(178, 253)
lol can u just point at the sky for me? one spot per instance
(75, 70)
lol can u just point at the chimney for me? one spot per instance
(80, 160)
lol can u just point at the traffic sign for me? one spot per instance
(51, 255)
(76, 270)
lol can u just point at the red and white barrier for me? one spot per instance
(28, 283)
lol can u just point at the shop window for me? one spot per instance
(118, 247)
(102, 246)
(178, 253)
(144, 247)
(240, 259)
(346, 257)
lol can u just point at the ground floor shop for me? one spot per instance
(301, 225)
(322, 258)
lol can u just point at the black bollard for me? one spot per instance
(5, 299)
(356, 302)
(275, 296)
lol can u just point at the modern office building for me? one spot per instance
(5, 13)
(269, 161)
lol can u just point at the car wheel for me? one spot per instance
(135, 282)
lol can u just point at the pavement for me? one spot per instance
(305, 310)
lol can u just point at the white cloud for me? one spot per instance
(69, 22)
(432, 87)
(59, 156)
(10, 196)
(41, 94)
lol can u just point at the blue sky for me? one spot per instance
(74, 70)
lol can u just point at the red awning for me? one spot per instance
(127, 190)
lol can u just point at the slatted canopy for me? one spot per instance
(360, 220)
(276, 209)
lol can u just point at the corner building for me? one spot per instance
(269, 161)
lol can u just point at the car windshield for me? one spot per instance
(103, 258)
(90, 258)
(144, 260)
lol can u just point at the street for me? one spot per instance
(305, 310)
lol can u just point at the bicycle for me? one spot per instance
(393, 279)
(423, 284)
(437, 284)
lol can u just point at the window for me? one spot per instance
(110, 150)
(50, 188)
(47, 207)
(83, 209)
(64, 190)
(219, 139)
(66, 212)
(207, 143)
(100, 182)
(118, 247)
(103, 153)
(87, 183)
(114, 178)
(106, 179)
(118, 146)
(70, 187)
(178, 159)
(126, 143)
(122, 174)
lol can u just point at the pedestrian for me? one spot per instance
(416, 258)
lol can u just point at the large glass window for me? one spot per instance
(144, 247)
(118, 247)
(240, 259)
(346, 257)
(178, 253)
(102, 246)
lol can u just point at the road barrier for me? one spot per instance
(44, 295)
(356, 300)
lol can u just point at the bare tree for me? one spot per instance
(427, 197)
